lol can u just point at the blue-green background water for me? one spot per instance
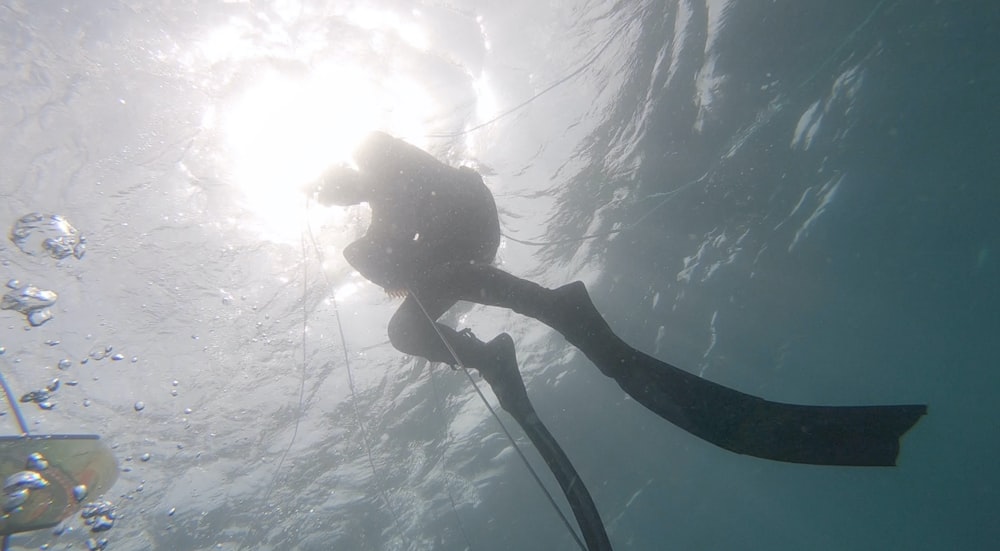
(806, 195)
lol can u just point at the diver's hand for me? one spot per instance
(396, 293)
(340, 185)
(314, 187)
(324, 182)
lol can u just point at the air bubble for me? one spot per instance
(38, 317)
(36, 462)
(15, 499)
(101, 524)
(27, 298)
(30, 301)
(100, 352)
(24, 479)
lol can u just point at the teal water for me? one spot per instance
(793, 199)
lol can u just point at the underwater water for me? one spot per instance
(794, 199)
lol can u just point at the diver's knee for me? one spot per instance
(401, 341)
(397, 333)
(401, 331)
(354, 253)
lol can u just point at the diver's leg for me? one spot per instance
(370, 260)
(411, 330)
(497, 363)
(863, 435)
(567, 309)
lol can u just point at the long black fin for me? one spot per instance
(739, 422)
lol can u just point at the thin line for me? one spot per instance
(357, 415)
(850, 36)
(593, 59)
(667, 195)
(503, 427)
(451, 497)
(715, 165)
(302, 381)
(302, 391)
(14, 407)
(350, 378)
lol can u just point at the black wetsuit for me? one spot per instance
(425, 216)
(434, 232)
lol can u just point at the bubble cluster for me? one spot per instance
(30, 301)
(40, 234)
(96, 544)
(42, 397)
(18, 486)
(99, 515)
(52, 235)
(37, 462)
(100, 352)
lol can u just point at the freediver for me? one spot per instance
(433, 238)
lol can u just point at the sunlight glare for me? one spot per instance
(389, 21)
(284, 132)
(283, 129)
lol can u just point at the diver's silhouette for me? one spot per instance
(434, 233)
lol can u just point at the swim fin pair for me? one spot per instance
(739, 422)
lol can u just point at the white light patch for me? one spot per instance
(282, 133)
(283, 128)
(407, 29)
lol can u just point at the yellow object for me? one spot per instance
(57, 472)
